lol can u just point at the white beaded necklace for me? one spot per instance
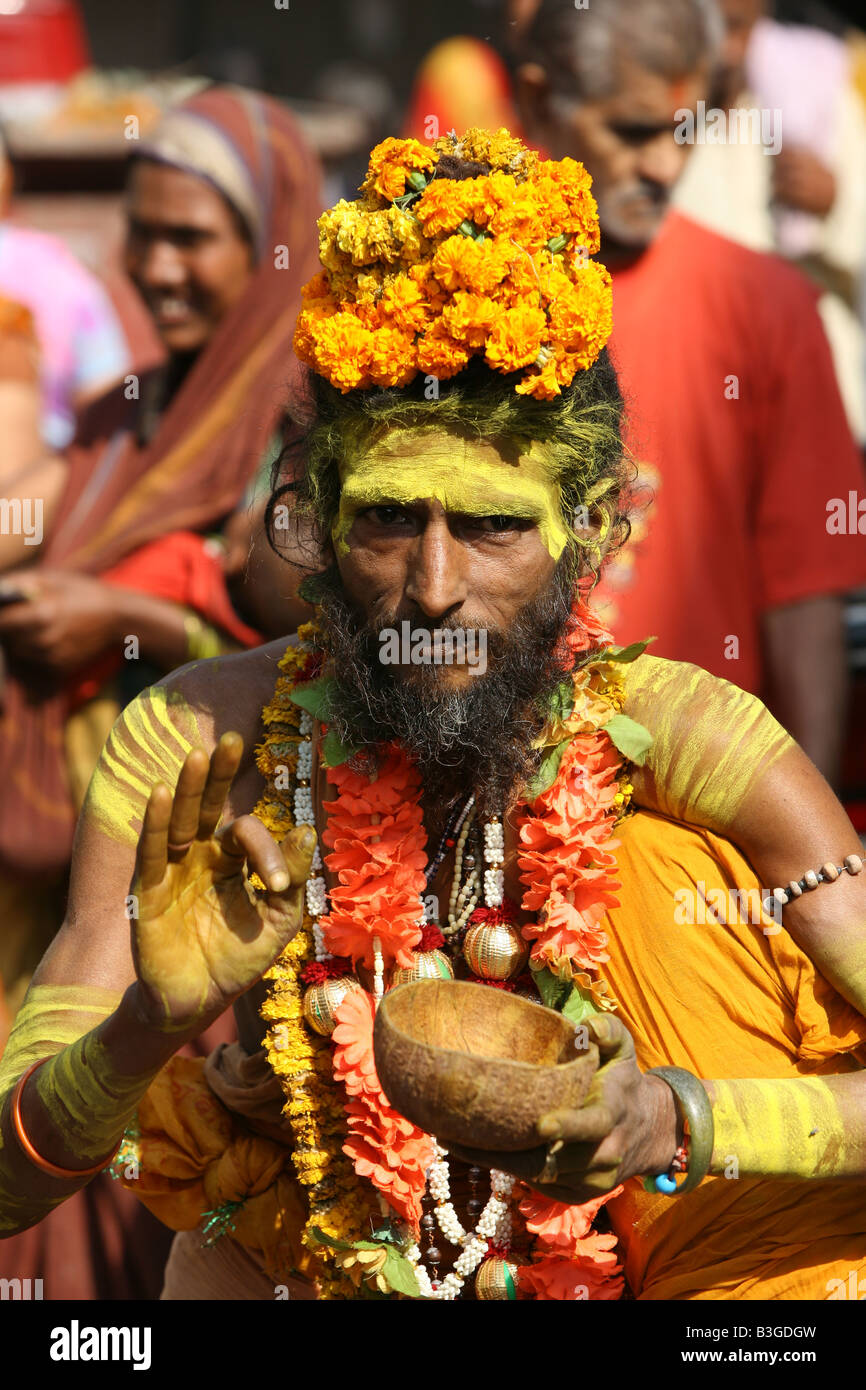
(495, 1220)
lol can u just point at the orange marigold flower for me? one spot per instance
(461, 263)
(443, 205)
(490, 194)
(441, 355)
(390, 164)
(524, 219)
(581, 312)
(393, 360)
(516, 337)
(342, 350)
(404, 301)
(470, 317)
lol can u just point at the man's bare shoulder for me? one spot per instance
(227, 693)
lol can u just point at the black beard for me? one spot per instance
(478, 738)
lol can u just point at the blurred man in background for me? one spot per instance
(806, 198)
(736, 420)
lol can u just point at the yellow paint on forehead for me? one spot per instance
(469, 477)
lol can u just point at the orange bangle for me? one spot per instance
(64, 1174)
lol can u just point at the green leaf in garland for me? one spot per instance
(334, 752)
(631, 738)
(314, 696)
(551, 988)
(510, 1288)
(629, 653)
(562, 701)
(400, 1274)
(310, 588)
(579, 1005)
(547, 770)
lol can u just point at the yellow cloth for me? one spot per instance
(726, 1001)
(192, 1156)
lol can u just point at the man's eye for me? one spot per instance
(386, 516)
(496, 524)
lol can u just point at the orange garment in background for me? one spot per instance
(738, 522)
(461, 83)
(725, 1001)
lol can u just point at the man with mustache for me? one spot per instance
(483, 507)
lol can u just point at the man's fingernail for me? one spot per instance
(279, 881)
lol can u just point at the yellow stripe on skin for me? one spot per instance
(785, 1129)
(144, 747)
(711, 741)
(52, 1017)
(468, 477)
(88, 1102)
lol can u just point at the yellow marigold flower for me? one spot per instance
(516, 337)
(439, 354)
(443, 205)
(498, 148)
(470, 317)
(390, 164)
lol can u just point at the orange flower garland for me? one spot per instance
(424, 271)
(376, 837)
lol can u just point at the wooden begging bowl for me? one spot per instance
(475, 1066)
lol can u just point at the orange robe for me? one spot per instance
(726, 1001)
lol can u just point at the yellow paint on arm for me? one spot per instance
(470, 479)
(711, 741)
(148, 744)
(51, 1018)
(808, 1127)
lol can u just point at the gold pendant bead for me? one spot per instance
(321, 1003)
(495, 951)
(496, 1278)
(427, 965)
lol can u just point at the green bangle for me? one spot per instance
(694, 1109)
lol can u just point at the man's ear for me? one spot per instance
(533, 100)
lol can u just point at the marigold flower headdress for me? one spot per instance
(429, 268)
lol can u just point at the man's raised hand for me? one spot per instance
(201, 936)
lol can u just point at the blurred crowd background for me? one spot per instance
(157, 222)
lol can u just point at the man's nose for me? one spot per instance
(662, 159)
(437, 581)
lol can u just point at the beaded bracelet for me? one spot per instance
(52, 1169)
(828, 873)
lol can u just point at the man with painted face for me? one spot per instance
(735, 419)
(462, 470)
